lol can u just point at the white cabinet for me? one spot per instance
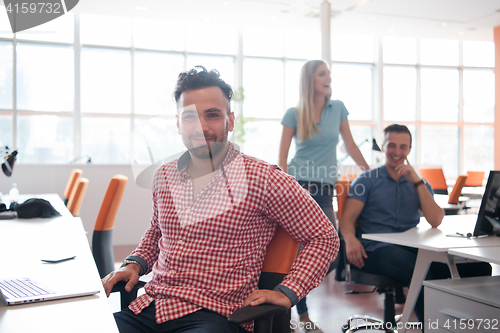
(463, 305)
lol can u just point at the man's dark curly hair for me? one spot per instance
(198, 78)
(397, 129)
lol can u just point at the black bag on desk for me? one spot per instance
(34, 207)
(6, 214)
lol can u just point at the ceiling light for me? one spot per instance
(362, 3)
(141, 8)
(461, 33)
(444, 24)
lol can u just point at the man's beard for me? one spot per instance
(212, 148)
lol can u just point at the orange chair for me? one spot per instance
(351, 176)
(435, 177)
(474, 178)
(457, 190)
(76, 198)
(102, 246)
(73, 177)
(341, 190)
(280, 255)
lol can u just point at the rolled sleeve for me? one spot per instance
(294, 209)
(288, 293)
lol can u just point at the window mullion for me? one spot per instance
(77, 112)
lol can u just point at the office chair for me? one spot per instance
(457, 190)
(73, 177)
(280, 255)
(393, 290)
(76, 198)
(454, 207)
(435, 177)
(474, 178)
(102, 246)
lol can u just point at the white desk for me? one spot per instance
(488, 254)
(24, 242)
(433, 245)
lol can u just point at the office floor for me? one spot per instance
(328, 304)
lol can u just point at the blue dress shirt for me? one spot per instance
(390, 206)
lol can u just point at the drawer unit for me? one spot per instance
(463, 305)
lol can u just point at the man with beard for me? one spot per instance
(215, 210)
(390, 199)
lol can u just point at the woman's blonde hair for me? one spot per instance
(306, 121)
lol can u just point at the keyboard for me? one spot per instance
(24, 287)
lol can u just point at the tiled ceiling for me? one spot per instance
(457, 19)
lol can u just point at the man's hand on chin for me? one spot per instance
(407, 171)
(261, 296)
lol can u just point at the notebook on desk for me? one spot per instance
(25, 290)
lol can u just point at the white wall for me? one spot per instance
(135, 209)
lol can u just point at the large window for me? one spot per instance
(448, 95)
(108, 98)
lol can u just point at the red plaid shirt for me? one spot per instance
(207, 252)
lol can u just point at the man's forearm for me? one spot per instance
(311, 265)
(347, 229)
(432, 212)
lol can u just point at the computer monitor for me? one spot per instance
(489, 212)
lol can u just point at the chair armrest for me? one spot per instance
(250, 312)
(127, 297)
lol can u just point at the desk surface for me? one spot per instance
(488, 254)
(433, 245)
(435, 239)
(30, 240)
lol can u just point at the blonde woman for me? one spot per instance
(315, 123)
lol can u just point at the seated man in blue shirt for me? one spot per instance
(390, 199)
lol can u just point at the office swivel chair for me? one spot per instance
(474, 178)
(383, 285)
(435, 177)
(454, 196)
(102, 247)
(73, 177)
(76, 198)
(457, 190)
(280, 255)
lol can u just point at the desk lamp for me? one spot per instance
(8, 163)
(375, 147)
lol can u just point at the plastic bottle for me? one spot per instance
(14, 193)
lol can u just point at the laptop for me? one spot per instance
(25, 290)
